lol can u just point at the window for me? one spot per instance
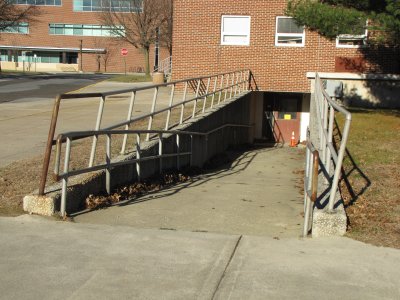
(235, 30)
(113, 5)
(83, 30)
(37, 2)
(288, 33)
(352, 40)
(22, 28)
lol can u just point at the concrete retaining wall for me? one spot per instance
(236, 111)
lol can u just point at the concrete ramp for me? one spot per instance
(258, 193)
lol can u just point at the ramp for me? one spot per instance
(258, 193)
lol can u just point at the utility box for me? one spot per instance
(334, 88)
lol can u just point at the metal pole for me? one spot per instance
(81, 54)
(97, 127)
(226, 89)
(215, 87)
(160, 151)
(138, 155)
(50, 137)
(205, 98)
(65, 179)
(231, 89)
(108, 161)
(183, 103)
(128, 118)
(153, 108)
(171, 100)
(196, 98)
(338, 169)
(221, 86)
(236, 83)
(330, 139)
(178, 150)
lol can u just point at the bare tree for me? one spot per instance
(165, 33)
(136, 22)
(11, 15)
(109, 45)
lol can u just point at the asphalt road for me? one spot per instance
(27, 88)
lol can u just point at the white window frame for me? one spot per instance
(277, 35)
(224, 33)
(360, 37)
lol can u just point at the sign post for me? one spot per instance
(124, 53)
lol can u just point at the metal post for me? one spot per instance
(138, 155)
(215, 87)
(240, 84)
(153, 108)
(97, 127)
(197, 96)
(183, 103)
(50, 137)
(160, 151)
(330, 139)
(231, 89)
(338, 169)
(128, 118)
(221, 86)
(236, 83)
(81, 55)
(108, 161)
(65, 178)
(205, 98)
(171, 99)
(227, 84)
(178, 150)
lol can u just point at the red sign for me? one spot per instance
(124, 52)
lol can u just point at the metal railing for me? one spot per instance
(109, 164)
(165, 66)
(326, 109)
(310, 184)
(218, 88)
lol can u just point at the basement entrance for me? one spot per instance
(284, 114)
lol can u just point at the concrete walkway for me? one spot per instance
(43, 259)
(24, 125)
(259, 193)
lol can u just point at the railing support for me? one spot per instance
(128, 118)
(97, 127)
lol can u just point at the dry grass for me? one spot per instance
(22, 177)
(371, 187)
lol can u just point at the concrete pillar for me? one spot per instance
(64, 58)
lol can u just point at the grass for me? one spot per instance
(22, 177)
(371, 185)
(131, 78)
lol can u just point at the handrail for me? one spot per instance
(108, 164)
(310, 184)
(230, 85)
(326, 108)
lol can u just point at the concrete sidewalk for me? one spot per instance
(258, 193)
(24, 125)
(43, 259)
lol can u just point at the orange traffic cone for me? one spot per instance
(292, 140)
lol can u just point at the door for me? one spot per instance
(287, 117)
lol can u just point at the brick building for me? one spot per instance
(54, 41)
(219, 36)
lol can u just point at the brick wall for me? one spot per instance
(197, 48)
(39, 37)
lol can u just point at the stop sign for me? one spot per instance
(124, 52)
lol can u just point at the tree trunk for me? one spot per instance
(146, 61)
